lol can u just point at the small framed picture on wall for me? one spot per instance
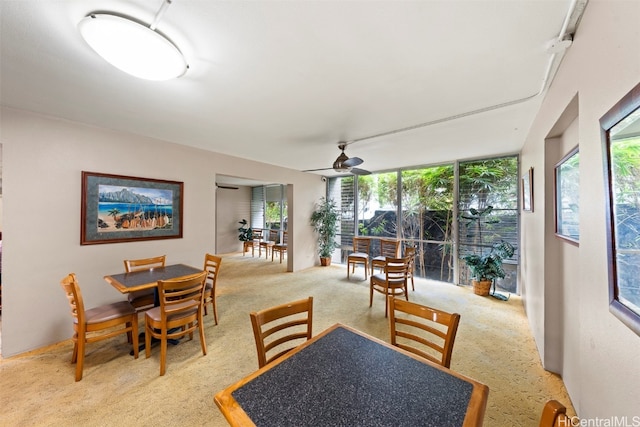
(527, 191)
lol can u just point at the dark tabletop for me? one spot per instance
(345, 379)
(137, 280)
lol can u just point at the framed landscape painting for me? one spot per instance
(117, 208)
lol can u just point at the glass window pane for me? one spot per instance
(625, 189)
(489, 186)
(342, 191)
(377, 204)
(427, 212)
(568, 196)
(621, 140)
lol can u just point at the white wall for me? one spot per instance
(42, 163)
(601, 369)
(231, 207)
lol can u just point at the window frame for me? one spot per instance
(558, 185)
(623, 108)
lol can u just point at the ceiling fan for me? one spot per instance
(344, 163)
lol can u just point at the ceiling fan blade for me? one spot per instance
(353, 161)
(316, 170)
(357, 171)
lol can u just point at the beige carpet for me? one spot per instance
(493, 346)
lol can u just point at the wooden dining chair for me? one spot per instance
(268, 243)
(422, 330)
(257, 236)
(212, 267)
(360, 255)
(277, 330)
(410, 252)
(393, 281)
(144, 299)
(98, 323)
(388, 249)
(554, 414)
(179, 313)
(281, 247)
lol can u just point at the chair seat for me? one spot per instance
(392, 282)
(359, 255)
(281, 248)
(179, 314)
(108, 312)
(381, 279)
(155, 313)
(108, 321)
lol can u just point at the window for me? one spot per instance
(417, 205)
(426, 198)
(621, 139)
(491, 186)
(567, 203)
(342, 191)
(269, 207)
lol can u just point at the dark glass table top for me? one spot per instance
(145, 279)
(346, 378)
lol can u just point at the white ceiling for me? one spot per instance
(283, 81)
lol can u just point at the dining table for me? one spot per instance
(147, 279)
(344, 377)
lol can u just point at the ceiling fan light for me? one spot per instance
(132, 47)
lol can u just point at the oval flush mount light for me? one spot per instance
(132, 47)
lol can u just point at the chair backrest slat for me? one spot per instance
(420, 328)
(74, 297)
(276, 329)
(143, 263)
(361, 244)
(389, 248)
(212, 266)
(179, 295)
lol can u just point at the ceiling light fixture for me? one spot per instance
(133, 47)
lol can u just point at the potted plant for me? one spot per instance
(245, 236)
(485, 268)
(246, 233)
(324, 220)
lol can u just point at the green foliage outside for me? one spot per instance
(427, 201)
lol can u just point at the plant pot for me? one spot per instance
(481, 287)
(325, 261)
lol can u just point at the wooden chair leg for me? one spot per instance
(147, 341)
(80, 357)
(74, 355)
(370, 295)
(134, 336)
(386, 303)
(203, 344)
(163, 352)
